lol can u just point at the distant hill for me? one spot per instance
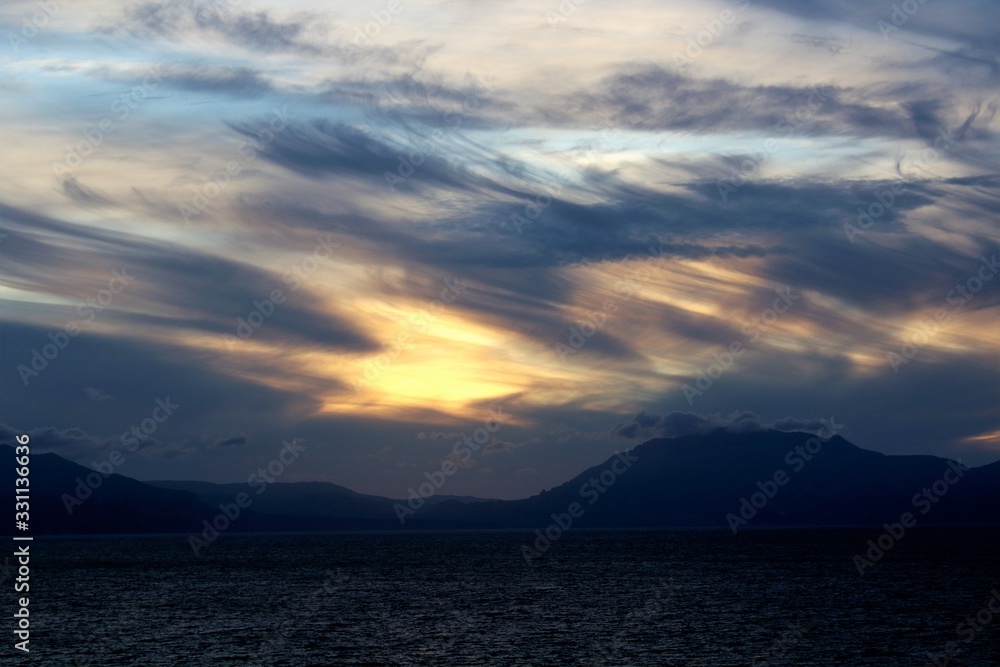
(718, 480)
(297, 505)
(696, 481)
(62, 502)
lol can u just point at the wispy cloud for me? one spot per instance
(569, 172)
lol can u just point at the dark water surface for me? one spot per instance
(637, 598)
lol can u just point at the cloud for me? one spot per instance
(231, 441)
(795, 424)
(636, 144)
(68, 442)
(320, 147)
(73, 189)
(649, 97)
(172, 286)
(438, 435)
(674, 424)
(238, 81)
(498, 446)
(95, 394)
(256, 31)
(942, 22)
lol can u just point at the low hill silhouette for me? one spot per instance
(732, 481)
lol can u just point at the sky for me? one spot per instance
(555, 228)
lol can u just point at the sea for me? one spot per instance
(791, 597)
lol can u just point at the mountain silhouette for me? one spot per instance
(722, 480)
(67, 498)
(718, 480)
